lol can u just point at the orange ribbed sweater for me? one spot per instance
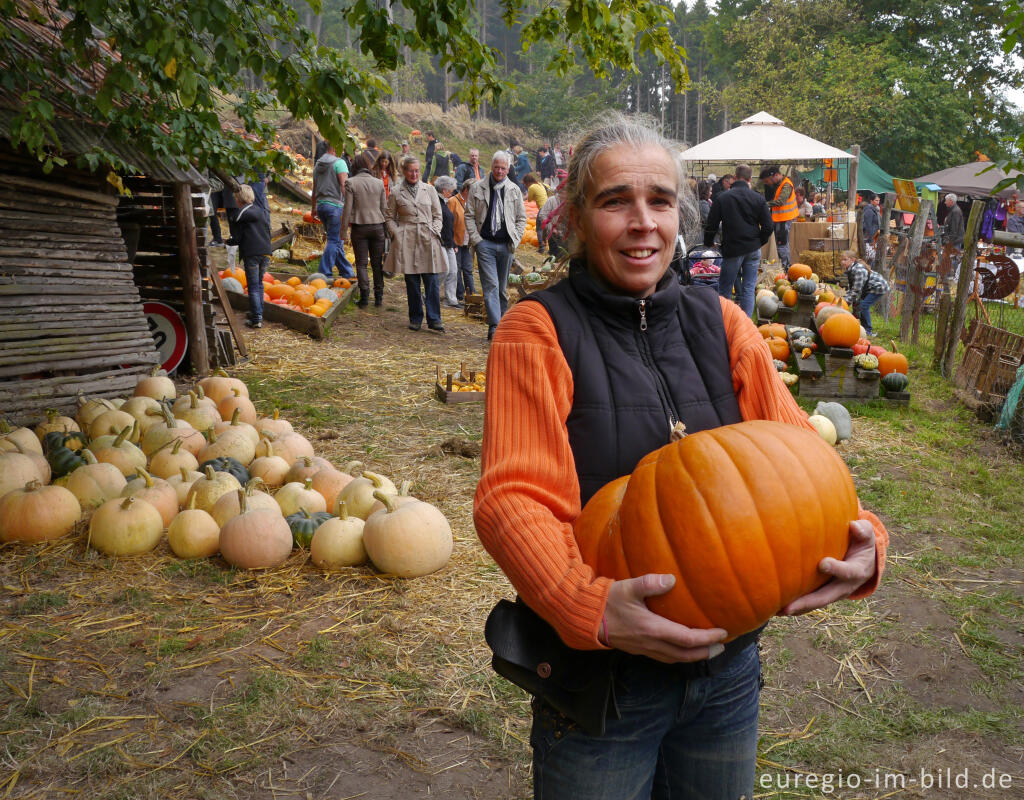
(529, 495)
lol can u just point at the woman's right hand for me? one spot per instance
(631, 626)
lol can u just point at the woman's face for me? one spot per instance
(846, 262)
(385, 163)
(411, 171)
(630, 217)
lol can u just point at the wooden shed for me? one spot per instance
(81, 251)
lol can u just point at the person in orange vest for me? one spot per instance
(783, 207)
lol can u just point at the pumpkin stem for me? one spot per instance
(277, 415)
(221, 373)
(32, 485)
(184, 474)
(308, 484)
(404, 488)
(235, 392)
(892, 344)
(678, 432)
(250, 485)
(155, 371)
(200, 394)
(352, 466)
(146, 477)
(127, 503)
(52, 414)
(190, 504)
(122, 436)
(211, 435)
(89, 457)
(305, 513)
(210, 473)
(387, 500)
(234, 415)
(270, 447)
(242, 505)
(169, 420)
(176, 447)
(193, 400)
(341, 509)
(375, 479)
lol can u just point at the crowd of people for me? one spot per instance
(427, 220)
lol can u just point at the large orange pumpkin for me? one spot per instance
(789, 297)
(840, 330)
(797, 271)
(706, 510)
(892, 362)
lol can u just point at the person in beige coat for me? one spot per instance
(414, 220)
(365, 209)
(495, 222)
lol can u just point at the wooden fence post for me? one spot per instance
(914, 274)
(963, 286)
(191, 279)
(882, 253)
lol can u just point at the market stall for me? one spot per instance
(762, 140)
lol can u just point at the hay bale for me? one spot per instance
(826, 265)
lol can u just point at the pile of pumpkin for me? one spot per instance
(213, 474)
(473, 382)
(530, 236)
(834, 325)
(314, 297)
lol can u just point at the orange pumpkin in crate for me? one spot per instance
(294, 280)
(840, 330)
(318, 283)
(789, 297)
(342, 283)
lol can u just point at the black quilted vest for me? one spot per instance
(638, 366)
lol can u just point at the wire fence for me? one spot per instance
(1001, 314)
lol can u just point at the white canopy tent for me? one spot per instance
(762, 138)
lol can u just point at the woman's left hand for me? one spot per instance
(848, 575)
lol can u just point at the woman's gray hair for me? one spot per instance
(502, 155)
(445, 184)
(409, 159)
(610, 130)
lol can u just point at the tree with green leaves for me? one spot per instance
(157, 72)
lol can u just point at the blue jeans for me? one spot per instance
(255, 266)
(334, 251)
(464, 256)
(782, 241)
(494, 261)
(431, 294)
(742, 271)
(681, 739)
(866, 302)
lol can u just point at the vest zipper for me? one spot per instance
(645, 354)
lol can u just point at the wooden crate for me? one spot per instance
(315, 327)
(473, 306)
(839, 378)
(446, 394)
(990, 362)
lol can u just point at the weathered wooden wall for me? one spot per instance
(150, 212)
(71, 316)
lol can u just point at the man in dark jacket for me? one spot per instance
(870, 224)
(746, 225)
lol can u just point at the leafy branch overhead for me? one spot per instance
(156, 72)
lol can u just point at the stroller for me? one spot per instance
(701, 266)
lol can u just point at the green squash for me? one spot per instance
(303, 525)
(895, 382)
(63, 461)
(806, 286)
(230, 465)
(74, 441)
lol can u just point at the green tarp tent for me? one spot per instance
(869, 176)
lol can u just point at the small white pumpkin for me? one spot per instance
(338, 542)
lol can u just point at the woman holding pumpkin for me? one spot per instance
(584, 380)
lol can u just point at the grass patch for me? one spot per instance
(40, 603)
